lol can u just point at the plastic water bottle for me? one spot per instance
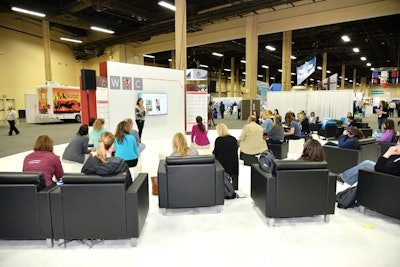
(60, 182)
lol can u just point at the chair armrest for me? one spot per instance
(56, 213)
(219, 183)
(44, 210)
(263, 190)
(162, 184)
(137, 205)
(341, 159)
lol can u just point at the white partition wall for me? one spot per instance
(333, 104)
(126, 81)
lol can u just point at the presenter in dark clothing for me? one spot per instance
(140, 113)
(225, 151)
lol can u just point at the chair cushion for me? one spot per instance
(300, 165)
(203, 159)
(81, 178)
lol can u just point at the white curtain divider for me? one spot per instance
(333, 104)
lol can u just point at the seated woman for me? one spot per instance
(104, 164)
(225, 151)
(267, 121)
(312, 151)
(125, 144)
(348, 138)
(388, 163)
(199, 135)
(390, 131)
(180, 147)
(276, 134)
(44, 160)
(140, 146)
(304, 125)
(294, 131)
(313, 121)
(98, 129)
(77, 150)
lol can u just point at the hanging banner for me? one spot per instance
(196, 75)
(329, 83)
(305, 70)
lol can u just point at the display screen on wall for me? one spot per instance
(155, 104)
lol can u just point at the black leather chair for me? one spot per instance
(331, 130)
(280, 150)
(25, 207)
(385, 145)
(190, 181)
(379, 192)
(297, 189)
(98, 207)
(341, 159)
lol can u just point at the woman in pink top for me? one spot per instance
(44, 160)
(199, 135)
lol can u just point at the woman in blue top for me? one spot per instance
(348, 138)
(125, 144)
(98, 129)
(294, 131)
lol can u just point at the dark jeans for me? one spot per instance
(140, 125)
(12, 127)
(292, 137)
(131, 163)
(270, 141)
(380, 122)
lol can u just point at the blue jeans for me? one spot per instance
(380, 122)
(350, 176)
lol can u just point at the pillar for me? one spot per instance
(233, 93)
(46, 46)
(251, 55)
(354, 78)
(343, 76)
(324, 65)
(180, 35)
(287, 61)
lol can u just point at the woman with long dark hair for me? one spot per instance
(199, 135)
(312, 151)
(140, 114)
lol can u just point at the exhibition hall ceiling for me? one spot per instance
(136, 21)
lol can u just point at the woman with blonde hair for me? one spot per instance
(180, 147)
(226, 152)
(44, 160)
(98, 129)
(104, 164)
(267, 121)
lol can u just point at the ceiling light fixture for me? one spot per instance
(260, 76)
(71, 40)
(356, 50)
(167, 5)
(34, 13)
(293, 57)
(271, 48)
(328, 71)
(203, 66)
(265, 67)
(279, 70)
(346, 38)
(149, 56)
(319, 67)
(272, 78)
(217, 54)
(227, 70)
(243, 61)
(101, 30)
(363, 58)
(369, 64)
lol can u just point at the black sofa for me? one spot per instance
(341, 159)
(297, 189)
(190, 181)
(93, 207)
(379, 191)
(25, 207)
(385, 145)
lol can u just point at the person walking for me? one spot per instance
(11, 117)
(222, 109)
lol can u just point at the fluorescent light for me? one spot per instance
(279, 70)
(319, 68)
(170, 60)
(328, 71)
(244, 73)
(203, 66)
(243, 61)
(363, 58)
(346, 38)
(272, 78)
(217, 54)
(149, 56)
(227, 70)
(271, 48)
(71, 40)
(356, 50)
(260, 76)
(372, 69)
(21, 10)
(167, 5)
(293, 74)
(293, 57)
(311, 79)
(265, 67)
(101, 30)
(369, 64)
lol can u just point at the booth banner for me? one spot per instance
(196, 75)
(305, 70)
(196, 105)
(329, 83)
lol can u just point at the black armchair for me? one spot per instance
(341, 159)
(280, 150)
(190, 181)
(98, 207)
(25, 207)
(331, 130)
(379, 191)
(385, 145)
(298, 189)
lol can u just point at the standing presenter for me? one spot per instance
(140, 113)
